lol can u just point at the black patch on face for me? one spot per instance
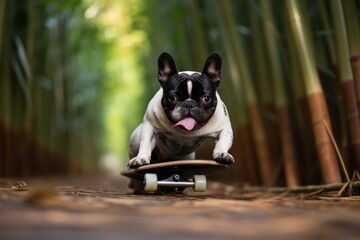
(178, 104)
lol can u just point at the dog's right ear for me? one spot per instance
(166, 67)
(212, 68)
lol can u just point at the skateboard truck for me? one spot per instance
(175, 181)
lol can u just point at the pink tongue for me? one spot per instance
(187, 123)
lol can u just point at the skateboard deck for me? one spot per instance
(172, 176)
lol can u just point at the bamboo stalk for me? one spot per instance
(243, 150)
(327, 28)
(198, 34)
(37, 116)
(353, 33)
(2, 87)
(2, 23)
(346, 78)
(304, 138)
(355, 65)
(318, 107)
(338, 152)
(265, 91)
(28, 134)
(22, 95)
(247, 153)
(261, 63)
(187, 40)
(261, 145)
(286, 135)
(238, 106)
(6, 93)
(331, 82)
(257, 127)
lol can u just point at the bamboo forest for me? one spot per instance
(76, 78)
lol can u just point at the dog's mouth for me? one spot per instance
(186, 124)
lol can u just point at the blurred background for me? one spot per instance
(76, 77)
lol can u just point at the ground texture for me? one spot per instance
(104, 208)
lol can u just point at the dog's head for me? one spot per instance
(189, 98)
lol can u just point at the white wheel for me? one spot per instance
(150, 182)
(200, 183)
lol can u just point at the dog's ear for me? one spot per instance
(212, 67)
(166, 67)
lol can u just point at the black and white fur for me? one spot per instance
(190, 95)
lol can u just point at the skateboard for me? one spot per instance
(172, 176)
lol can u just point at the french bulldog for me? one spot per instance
(185, 111)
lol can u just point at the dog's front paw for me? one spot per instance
(137, 162)
(223, 157)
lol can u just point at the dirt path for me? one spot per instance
(102, 208)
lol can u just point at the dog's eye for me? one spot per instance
(173, 99)
(205, 100)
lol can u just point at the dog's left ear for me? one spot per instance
(166, 67)
(212, 67)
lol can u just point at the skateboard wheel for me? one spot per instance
(200, 183)
(150, 182)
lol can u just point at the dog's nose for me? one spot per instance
(190, 104)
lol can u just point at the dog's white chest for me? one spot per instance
(169, 144)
